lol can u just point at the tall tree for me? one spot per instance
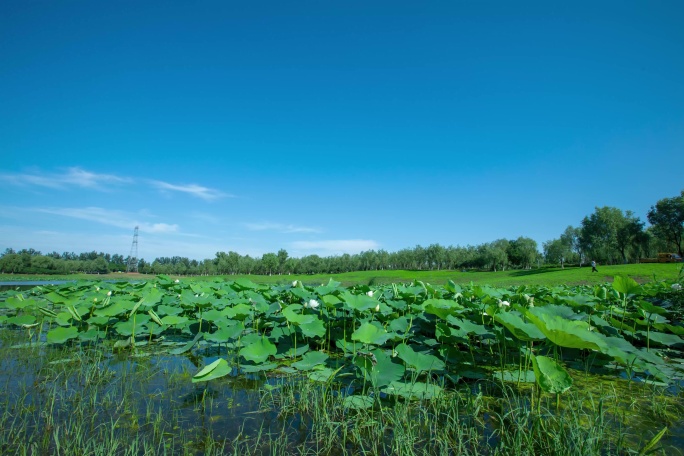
(604, 235)
(667, 218)
(523, 252)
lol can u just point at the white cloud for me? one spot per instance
(110, 217)
(280, 227)
(207, 194)
(73, 177)
(334, 247)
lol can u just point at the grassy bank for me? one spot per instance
(538, 276)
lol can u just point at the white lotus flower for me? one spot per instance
(676, 287)
(370, 293)
(294, 284)
(504, 303)
(177, 281)
(313, 304)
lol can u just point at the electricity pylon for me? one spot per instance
(132, 265)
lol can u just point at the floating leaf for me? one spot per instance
(60, 335)
(21, 320)
(217, 369)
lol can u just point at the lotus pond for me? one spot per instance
(233, 367)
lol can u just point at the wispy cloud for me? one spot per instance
(207, 194)
(281, 228)
(334, 247)
(110, 217)
(72, 177)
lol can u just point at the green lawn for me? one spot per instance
(544, 276)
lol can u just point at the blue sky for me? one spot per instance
(331, 127)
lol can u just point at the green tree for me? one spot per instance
(667, 218)
(522, 252)
(269, 262)
(607, 233)
(282, 258)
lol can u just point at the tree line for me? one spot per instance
(608, 236)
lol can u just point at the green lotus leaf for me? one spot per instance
(16, 303)
(443, 308)
(61, 334)
(20, 320)
(468, 327)
(258, 351)
(624, 284)
(151, 296)
(100, 321)
(377, 367)
(521, 329)
(358, 402)
(368, 333)
(400, 324)
(188, 345)
(564, 332)
(311, 360)
(168, 310)
(115, 309)
(313, 328)
(217, 369)
(321, 375)
(418, 361)
(661, 338)
(258, 368)
(128, 328)
(173, 320)
(551, 376)
(92, 335)
(244, 284)
(360, 302)
(331, 287)
(516, 376)
(212, 315)
(331, 300)
(225, 333)
(240, 311)
(413, 391)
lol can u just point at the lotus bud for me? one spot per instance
(377, 308)
(109, 293)
(370, 293)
